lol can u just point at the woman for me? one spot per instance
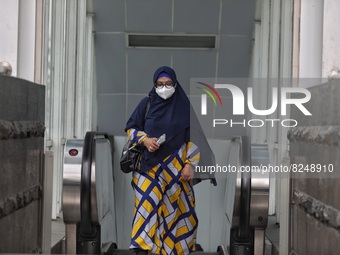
(164, 220)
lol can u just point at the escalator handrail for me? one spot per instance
(243, 233)
(85, 226)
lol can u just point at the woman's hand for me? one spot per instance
(151, 144)
(187, 172)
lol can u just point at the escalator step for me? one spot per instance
(128, 252)
(204, 253)
(122, 252)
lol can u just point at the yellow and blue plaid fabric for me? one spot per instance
(164, 219)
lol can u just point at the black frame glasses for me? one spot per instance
(168, 85)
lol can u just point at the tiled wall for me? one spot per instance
(124, 75)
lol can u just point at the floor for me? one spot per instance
(272, 232)
(58, 231)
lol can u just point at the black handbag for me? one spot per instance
(131, 154)
(130, 157)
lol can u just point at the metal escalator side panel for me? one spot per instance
(103, 211)
(239, 155)
(101, 176)
(229, 194)
(232, 194)
(259, 204)
(260, 187)
(259, 200)
(72, 181)
(101, 161)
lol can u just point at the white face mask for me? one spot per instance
(164, 92)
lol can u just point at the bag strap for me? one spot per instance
(147, 110)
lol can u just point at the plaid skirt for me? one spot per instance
(164, 219)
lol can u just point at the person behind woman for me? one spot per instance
(164, 219)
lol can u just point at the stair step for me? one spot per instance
(128, 252)
(204, 253)
(122, 252)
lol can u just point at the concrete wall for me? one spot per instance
(22, 105)
(315, 208)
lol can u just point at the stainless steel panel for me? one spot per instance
(71, 181)
(71, 238)
(259, 241)
(259, 187)
(47, 203)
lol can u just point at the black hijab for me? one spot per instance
(171, 117)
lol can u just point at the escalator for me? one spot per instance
(88, 197)
(89, 200)
(247, 198)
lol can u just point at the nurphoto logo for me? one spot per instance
(238, 104)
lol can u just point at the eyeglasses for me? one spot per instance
(168, 84)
